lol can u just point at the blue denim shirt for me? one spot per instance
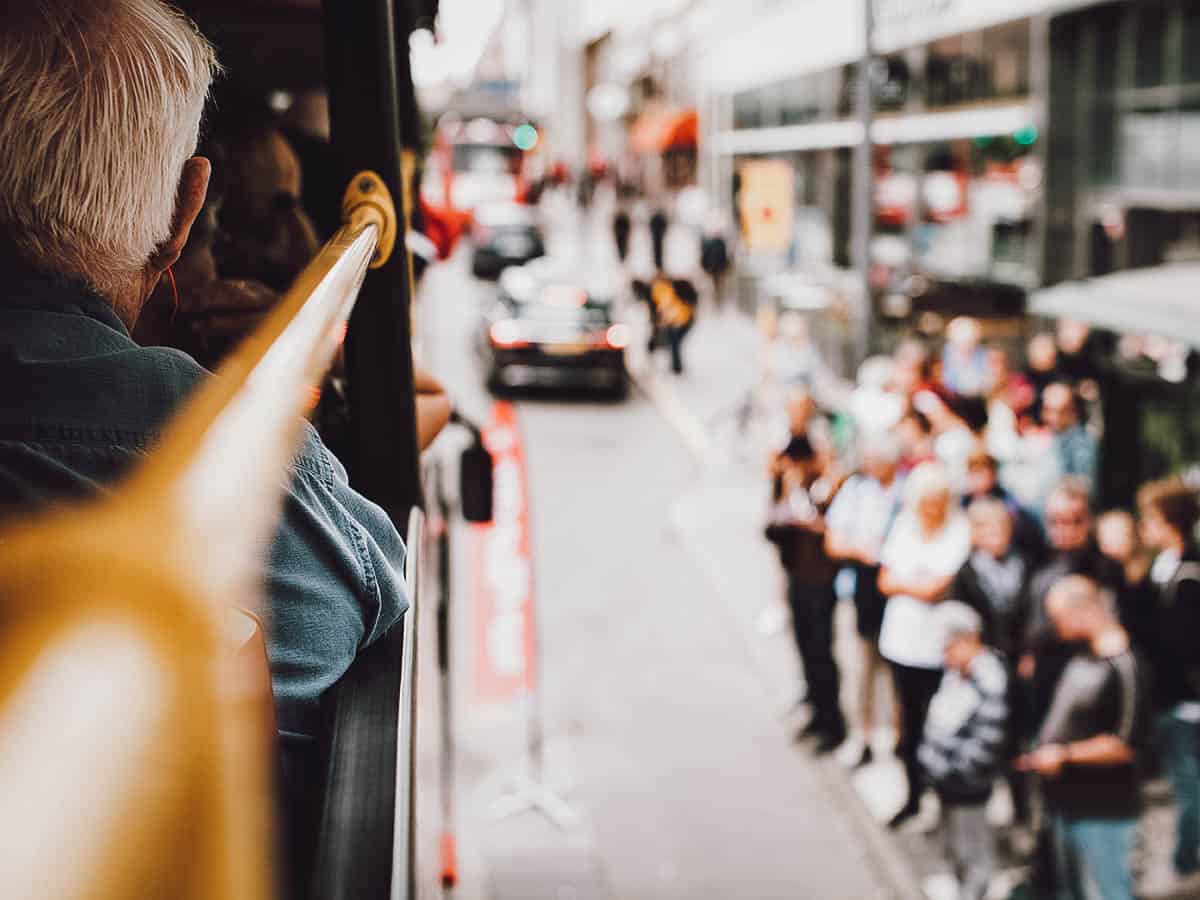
(80, 402)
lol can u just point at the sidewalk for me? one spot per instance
(719, 519)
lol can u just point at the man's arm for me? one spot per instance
(930, 589)
(433, 407)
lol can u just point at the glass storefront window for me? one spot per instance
(1146, 147)
(747, 110)
(1005, 53)
(1151, 37)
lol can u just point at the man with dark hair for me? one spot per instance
(1075, 448)
(983, 482)
(1169, 511)
(802, 494)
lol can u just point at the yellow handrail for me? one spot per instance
(132, 749)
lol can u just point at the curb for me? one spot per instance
(886, 858)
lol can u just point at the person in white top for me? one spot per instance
(856, 528)
(927, 545)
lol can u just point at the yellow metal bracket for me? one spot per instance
(367, 201)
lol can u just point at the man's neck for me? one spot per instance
(1174, 544)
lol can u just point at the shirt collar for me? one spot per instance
(1166, 564)
(37, 290)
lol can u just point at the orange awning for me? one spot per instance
(662, 130)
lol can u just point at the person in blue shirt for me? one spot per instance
(99, 188)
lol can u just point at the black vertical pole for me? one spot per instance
(363, 62)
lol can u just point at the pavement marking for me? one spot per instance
(687, 426)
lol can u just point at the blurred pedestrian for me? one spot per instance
(1169, 512)
(1072, 551)
(925, 549)
(1009, 396)
(658, 238)
(802, 493)
(1041, 369)
(1075, 447)
(622, 226)
(857, 525)
(875, 405)
(915, 434)
(994, 582)
(1085, 748)
(714, 254)
(983, 482)
(1118, 540)
(791, 356)
(671, 303)
(964, 359)
(963, 744)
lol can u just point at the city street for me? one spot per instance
(666, 709)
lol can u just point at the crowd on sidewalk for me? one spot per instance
(1026, 639)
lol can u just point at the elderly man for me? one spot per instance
(102, 101)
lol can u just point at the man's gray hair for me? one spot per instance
(100, 106)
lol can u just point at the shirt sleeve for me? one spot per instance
(841, 510)
(895, 546)
(1130, 712)
(334, 581)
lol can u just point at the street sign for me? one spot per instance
(766, 204)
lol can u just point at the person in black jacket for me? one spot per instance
(994, 582)
(658, 238)
(622, 226)
(983, 482)
(1169, 512)
(802, 494)
(1073, 551)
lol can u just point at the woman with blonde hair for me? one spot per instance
(926, 547)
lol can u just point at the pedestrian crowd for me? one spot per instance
(1023, 639)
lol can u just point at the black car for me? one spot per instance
(547, 329)
(504, 235)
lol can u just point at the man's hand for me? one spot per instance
(433, 407)
(1047, 760)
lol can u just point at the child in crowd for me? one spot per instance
(963, 742)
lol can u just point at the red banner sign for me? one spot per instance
(503, 571)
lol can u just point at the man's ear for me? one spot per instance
(193, 186)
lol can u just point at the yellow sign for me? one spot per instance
(766, 204)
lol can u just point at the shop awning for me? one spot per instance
(1161, 300)
(663, 130)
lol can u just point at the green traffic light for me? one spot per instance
(525, 137)
(1026, 136)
